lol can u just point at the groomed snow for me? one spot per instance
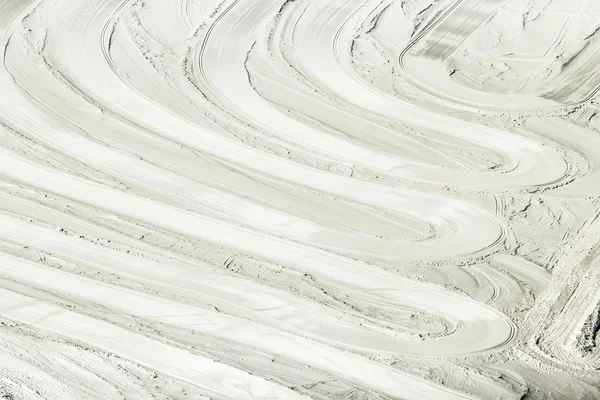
(299, 199)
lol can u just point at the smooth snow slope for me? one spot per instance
(271, 199)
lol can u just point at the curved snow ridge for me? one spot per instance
(441, 215)
(313, 44)
(207, 169)
(316, 38)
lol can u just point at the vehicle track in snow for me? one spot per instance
(221, 203)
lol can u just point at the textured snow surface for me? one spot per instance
(301, 199)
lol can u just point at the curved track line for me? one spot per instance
(239, 211)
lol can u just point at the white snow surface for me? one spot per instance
(299, 199)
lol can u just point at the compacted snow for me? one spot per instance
(299, 199)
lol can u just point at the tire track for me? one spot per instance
(232, 206)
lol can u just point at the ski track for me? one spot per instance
(213, 199)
